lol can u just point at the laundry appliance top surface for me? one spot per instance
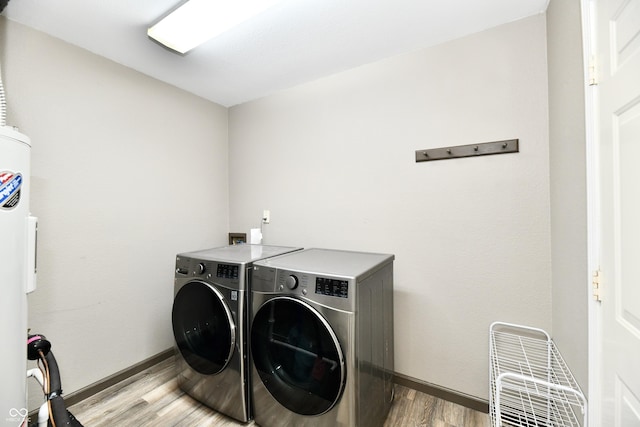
(240, 254)
(330, 262)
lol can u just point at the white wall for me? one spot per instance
(127, 171)
(568, 162)
(334, 162)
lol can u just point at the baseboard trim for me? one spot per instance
(443, 393)
(98, 386)
(400, 379)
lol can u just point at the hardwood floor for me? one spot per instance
(152, 398)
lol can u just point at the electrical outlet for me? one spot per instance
(266, 216)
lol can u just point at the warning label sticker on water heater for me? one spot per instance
(10, 184)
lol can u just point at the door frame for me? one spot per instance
(588, 8)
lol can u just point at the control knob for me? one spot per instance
(201, 268)
(291, 281)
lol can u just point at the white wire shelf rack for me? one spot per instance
(530, 383)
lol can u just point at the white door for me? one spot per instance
(618, 144)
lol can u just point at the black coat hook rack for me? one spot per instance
(471, 150)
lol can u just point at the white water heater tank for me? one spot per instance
(17, 271)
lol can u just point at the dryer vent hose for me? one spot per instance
(3, 105)
(3, 102)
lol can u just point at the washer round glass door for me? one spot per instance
(203, 327)
(297, 356)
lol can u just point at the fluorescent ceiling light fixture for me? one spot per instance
(197, 21)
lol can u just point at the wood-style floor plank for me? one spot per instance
(153, 398)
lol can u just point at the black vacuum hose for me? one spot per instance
(59, 412)
(39, 348)
(55, 385)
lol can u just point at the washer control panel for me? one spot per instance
(228, 271)
(229, 275)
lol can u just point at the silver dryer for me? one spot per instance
(322, 339)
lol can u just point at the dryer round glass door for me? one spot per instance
(203, 327)
(297, 356)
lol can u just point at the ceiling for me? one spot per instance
(295, 42)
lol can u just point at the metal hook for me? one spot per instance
(471, 150)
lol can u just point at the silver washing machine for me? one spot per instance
(322, 339)
(210, 325)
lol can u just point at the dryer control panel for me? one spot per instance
(332, 287)
(336, 292)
